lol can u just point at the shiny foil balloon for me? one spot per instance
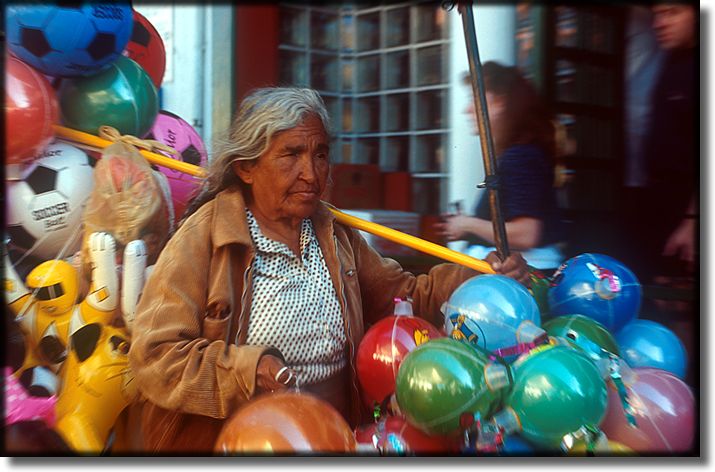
(539, 289)
(556, 391)
(30, 111)
(493, 312)
(663, 408)
(610, 448)
(122, 96)
(395, 436)
(383, 348)
(596, 286)
(443, 380)
(583, 332)
(646, 343)
(286, 423)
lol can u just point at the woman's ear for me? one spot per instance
(243, 170)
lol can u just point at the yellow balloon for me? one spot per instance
(612, 448)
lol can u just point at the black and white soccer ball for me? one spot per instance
(44, 208)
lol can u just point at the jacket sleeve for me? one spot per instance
(174, 366)
(382, 279)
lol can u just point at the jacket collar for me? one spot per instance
(230, 224)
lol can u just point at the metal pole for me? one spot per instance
(491, 181)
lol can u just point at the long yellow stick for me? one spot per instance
(413, 242)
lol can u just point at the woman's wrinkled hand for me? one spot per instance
(514, 266)
(273, 375)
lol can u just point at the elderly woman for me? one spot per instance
(261, 287)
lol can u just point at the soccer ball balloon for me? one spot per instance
(44, 209)
(178, 134)
(147, 49)
(68, 41)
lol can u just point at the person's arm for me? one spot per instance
(174, 366)
(681, 242)
(382, 279)
(523, 233)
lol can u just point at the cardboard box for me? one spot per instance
(397, 191)
(355, 186)
(405, 222)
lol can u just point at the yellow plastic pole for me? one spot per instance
(395, 236)
(73, 135)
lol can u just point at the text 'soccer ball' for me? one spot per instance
(30, 111)
(444, 382)
(596, 286)
(557, 390)
(286, 423)
(68, 39)
(178, 134)
(146, 48)
(493, 312)
(44, 209)
(583, 332)
(663, 409)
(122, 96)
(383, 348)
(646, 343)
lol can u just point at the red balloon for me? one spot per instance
(146, 48)
(664, 411)
(30, 111)
(383, 348)
(286, 423)
(394, 435)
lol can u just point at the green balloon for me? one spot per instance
(583, 332)
(443, 379)
(557, 390)
(122, 96)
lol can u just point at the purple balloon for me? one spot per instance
(178, 134)
(664, 411)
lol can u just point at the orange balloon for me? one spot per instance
(30, 111)
(286, 423)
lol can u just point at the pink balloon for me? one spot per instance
(664, 412)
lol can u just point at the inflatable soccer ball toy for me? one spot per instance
(44, 208)
(68, 40)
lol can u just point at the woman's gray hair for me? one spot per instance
(262, 114)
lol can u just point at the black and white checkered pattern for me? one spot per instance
(295, 307)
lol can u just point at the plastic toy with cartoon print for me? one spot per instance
(47, 305)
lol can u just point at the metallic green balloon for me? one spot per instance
(443, 379)
(583, 332)
(556, 391)
(122, 96)
(539, 289)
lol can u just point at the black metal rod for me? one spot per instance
(485, 131)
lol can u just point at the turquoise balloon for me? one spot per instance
(556, 391)
(583, 332)
(443, 379)
(122, 96)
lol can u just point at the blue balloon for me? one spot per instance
(68, 40)
(597, 286)
(492, 312)
(515, 445)
(646, 343)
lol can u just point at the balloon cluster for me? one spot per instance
(592, 379)
(81, 65)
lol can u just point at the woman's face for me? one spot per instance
(288, 179)
(494, 108)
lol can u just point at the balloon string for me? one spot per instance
(112, 134)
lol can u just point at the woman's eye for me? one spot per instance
(322, 156)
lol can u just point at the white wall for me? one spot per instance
(199, 47)
(495, 26)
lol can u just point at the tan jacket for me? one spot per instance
(188, 351)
